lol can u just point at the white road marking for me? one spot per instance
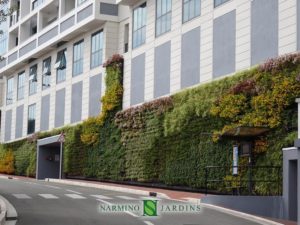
(74, 191)
(101, 197)
(48, 196)
(50, 186)
(148, 223)
(126, 197)
(21, 196)
(75, 196)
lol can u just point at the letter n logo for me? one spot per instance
(150, 207)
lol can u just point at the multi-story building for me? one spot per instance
(52, 71)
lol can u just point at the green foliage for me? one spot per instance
(22, 156)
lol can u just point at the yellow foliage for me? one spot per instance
(7, 163)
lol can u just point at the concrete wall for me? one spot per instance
(266, 206)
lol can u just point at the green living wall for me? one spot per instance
(170, 140)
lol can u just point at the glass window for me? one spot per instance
(46, 78)
(78, 58)
(33, 80)
(79, 2)
(31, 119)
(191, 9)
(10, 91)
(61, 65)
(21, 85)
(139, 25)
(220, 2)
(97, 49)
(163, 16)
(36, 3)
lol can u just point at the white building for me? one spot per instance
(168, 45)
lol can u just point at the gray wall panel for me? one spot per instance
(269, 206)
(264, 30)
(86, 12)
(60, 108)
(27, 48)
(137, 79)
(45, 113)
(8, 119)
(2, 63)
(12, 57)
(95, 95)
(190, 58)
(298, 25)
(48, 35)
(109, 9)
(76, 104)
(224, 42)
(162, 63)
(68, 23)
(19, 121)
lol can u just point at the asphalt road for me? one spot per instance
(44, 203)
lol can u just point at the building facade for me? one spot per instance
(53, 74)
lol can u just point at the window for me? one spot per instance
(78, 58)
(139, 25)
(79, 2)
(97, 47)
(31, 119)
(46, 80)
(126, 37)
(220, 2)
(163, 16)
(191, 9)
(61, 65)
(21, 85)
(36, 3)
(10, 91)
(33, 80)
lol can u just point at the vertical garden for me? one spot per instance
(170, 141)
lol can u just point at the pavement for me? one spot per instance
(77, 202)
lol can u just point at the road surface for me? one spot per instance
(44, 203)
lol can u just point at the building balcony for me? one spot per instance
(71, 23)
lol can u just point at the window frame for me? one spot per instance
(10, 91)
(141, 28)
(183, 10)
(32, 83)
(60, 67)
(80, 60)
(46, 75)
(21, 89)
(219, 4)
(92, 66)
(31, 116)
(163, 16)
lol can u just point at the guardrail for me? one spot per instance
(245, 181)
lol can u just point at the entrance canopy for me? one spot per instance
(49, 157)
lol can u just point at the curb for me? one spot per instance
(242, 215)
(3, 212)
(10, 213)
(108, 187)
